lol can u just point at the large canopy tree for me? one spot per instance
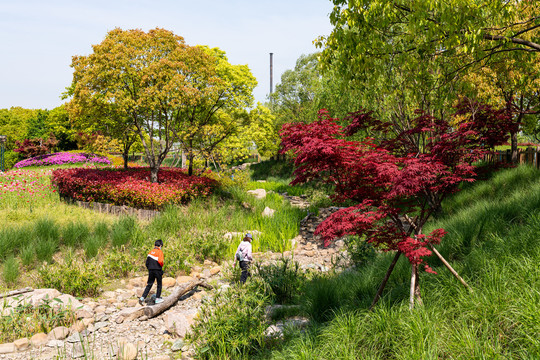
(145, 79)
(402, 55)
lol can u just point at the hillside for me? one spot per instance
(493, 242)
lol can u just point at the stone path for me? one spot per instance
(105, 329)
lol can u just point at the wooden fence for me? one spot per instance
(529, 156)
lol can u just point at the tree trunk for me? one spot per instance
(514, 144)
(179, 291)
(154, 174)
(385, 280)
(414, 275)
(125, 156)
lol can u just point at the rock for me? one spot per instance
(258, 193)
(161, 357)
(267, 212)
(109, 294)
(84, 314)
(100, 309)
(138, 282)
(215, 270)
(177, 345)
(276, 330)
(22, 344)
(78, 351)
(168, 282)
(74, 338)
(55, 343)
(78, 326)
(58, 333)
(100, 325)
(207, 262)
(127, 351)
(39, 339)
(7, 348)
(310, 253)
(184, 279)
(132, 302)
(206, 273)
(37, 296)
(177, 323)
(340, 243)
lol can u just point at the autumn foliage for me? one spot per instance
(131, 187)
(396, 182)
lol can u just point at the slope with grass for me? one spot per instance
(493, 242)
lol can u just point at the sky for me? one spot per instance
(39, 37)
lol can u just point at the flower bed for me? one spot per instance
(63, 158)
(131, 187)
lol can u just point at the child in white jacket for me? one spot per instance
(244, 257)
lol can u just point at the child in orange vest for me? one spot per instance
(154, 264)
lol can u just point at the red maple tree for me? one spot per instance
(396, 182)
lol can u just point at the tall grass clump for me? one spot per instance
(10, 270)
(75, 234)
(232, 324)
(123, 230)
(46, 229)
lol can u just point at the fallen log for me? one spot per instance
(179, 291)
(16, 292)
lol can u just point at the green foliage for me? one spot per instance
(284, 280)
(119, 263)
(23, 320)
(76, 278)
(231, 325)
(361, 252)
(92, 245)
(45, 249)
(10, 270)
(75, 234)
(122, 230)
(28, 255)
(46, 229)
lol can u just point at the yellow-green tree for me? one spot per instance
(221, 110)
(148, 80)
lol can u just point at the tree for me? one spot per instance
(397, 183)
(148, 80)
(402, 55)
(219, 111)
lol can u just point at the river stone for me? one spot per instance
(7, 348)
(184, 279)
(39, 339)
(267, 212)
(22, 344)
(177, 345)
(127, 351)
(258, 193)
(168, 282)
(177, 323)
(58, 333)
(55, 343)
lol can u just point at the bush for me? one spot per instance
(284, 280)
(232, 324)
(81, 279)
(92, 246)
(361, 252)
(28, 255)
(45, 249)
(119, 263)
(131, 187)
(123, 230)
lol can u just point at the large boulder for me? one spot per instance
(177, 323)
(258, 193)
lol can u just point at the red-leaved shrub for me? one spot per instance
(131, 187)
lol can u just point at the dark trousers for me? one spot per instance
(244, 265)
(153, 275)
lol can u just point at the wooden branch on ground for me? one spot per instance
(16, 292)
(179, 291)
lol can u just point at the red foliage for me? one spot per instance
(29, 148)
(398, 182)
(131, 187)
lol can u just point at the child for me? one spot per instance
(243, 255)
(154, 264)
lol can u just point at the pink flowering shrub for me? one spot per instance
(63, 158)
(131, 187)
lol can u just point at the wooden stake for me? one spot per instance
(383, 284)
(454, 272)
(413, 286)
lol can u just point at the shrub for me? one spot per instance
(360, 251)
(10, 271)
(232, 324)
(131, 187)
(91, 246)
(284, 280)
(63, 158)
(76, 278)
(28, 255)
(101, 231)
(45, 249)
(46, 229)
(119, 263)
